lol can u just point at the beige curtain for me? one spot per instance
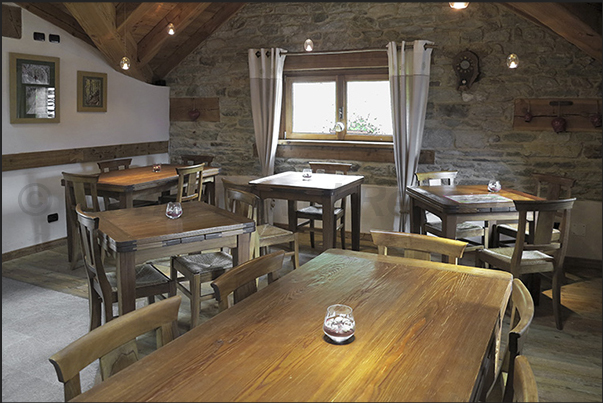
(266, 80)
(409, 84)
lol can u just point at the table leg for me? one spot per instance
(291, 209)
(71, 247)
(328, 223)
(448, 231)
(126, 282)
(416, 217)
(126, 200)
(355, 202)
(242, 253)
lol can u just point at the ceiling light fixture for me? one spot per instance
(308, 45)
(171, 29)
(458, 6)
(125, 63)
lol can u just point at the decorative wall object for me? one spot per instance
(466, 67)
(34, 88)
(194, 109)
(554, 114)
(91, 92)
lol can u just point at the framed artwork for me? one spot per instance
(34, 88)
(91, 92)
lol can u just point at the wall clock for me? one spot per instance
(466, 67)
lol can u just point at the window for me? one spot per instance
(338, 107)
(337, 96)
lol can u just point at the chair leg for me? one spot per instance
(94, 305)
(312, 233)
(342, 233)
(557, 299)
(195, 288)
(295, 251)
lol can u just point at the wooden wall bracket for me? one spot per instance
(537, 113)
(194, 110)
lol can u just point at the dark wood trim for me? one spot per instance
(581, 263)
(344, 151)
(33, 249)
(12, 162)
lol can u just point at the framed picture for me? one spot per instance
(91, 92)
(34, 88)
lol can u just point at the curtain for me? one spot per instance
(266, 80)
(409, 84)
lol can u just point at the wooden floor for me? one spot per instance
(567, 364)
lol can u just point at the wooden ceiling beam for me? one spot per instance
(54, 15)
(563, 22)
(102, 30)
(181, 16)
(223, 15)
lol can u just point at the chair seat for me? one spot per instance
(315, 212)
(531, 260)
(271, 235)
(203, 263)
(463, 230)
(512, 228)
(146, 275)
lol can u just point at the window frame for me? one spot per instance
(340, 75)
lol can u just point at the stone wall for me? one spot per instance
(470, 131)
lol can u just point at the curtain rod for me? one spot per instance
(338, 52)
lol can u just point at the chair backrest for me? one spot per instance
(190, 183)
(77, 185)
(114, 165)
(418, 246)
(192, 159)
(99, 342)
(242, 279)
(330, 167)
(522, 313)
(258, 205)
(90, 244)
(524, 383)
(541, 229)
(436, 178)
(553, 187)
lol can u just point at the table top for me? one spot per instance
(138, 178)
(422, 332)
(133, 229)
(468, 198)
(318, 181)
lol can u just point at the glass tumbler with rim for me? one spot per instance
(173, 210)
(339, 323)
(494, 185)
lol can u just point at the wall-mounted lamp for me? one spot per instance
(512, 61)
(308, 45)
(458, 6)
(171, 29)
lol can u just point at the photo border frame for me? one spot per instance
(81, 78)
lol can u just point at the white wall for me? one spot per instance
(136, 112)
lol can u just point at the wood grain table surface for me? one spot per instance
(423, 333)
(322, 188)
(141, 234)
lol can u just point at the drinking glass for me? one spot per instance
(307, 174)
(494, 185)
(157, 168)
(339, 324)
(173, 210)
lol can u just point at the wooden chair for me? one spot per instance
(235, 195)
(417, 246)
(313, 212)
(551, 187)
(116, 165)
(242, 280)
(522, 313)
(191, 159)
(536, 253)
(190, 185)
(101, 342)
(524, 383)
(76, 188)
(433, 225)
(102, 279)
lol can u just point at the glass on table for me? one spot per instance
(494, 185)
(339, 323)
(173, 210)
(156, 167)
(307, 174)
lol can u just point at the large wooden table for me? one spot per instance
(425, 331)
(440, 200)
(325, 189)
(137, 235)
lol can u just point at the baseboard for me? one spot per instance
(581, 263)
(33, 249)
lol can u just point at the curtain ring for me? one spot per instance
(258, 54)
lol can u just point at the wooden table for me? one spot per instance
(127, 184)
(425, 331)
(439, 200)
(325, 189)
(140, 234)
